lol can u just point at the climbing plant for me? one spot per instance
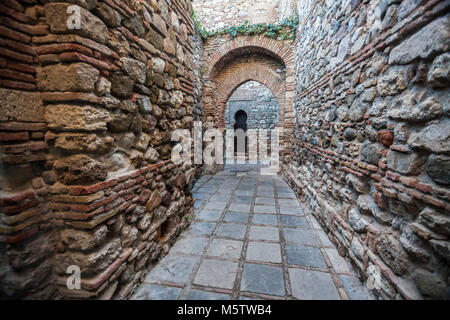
(285, 29)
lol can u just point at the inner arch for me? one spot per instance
(257, 102)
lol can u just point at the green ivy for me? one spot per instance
(285, 30)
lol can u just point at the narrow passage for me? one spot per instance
(251, 240)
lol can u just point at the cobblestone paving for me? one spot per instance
(251, 240)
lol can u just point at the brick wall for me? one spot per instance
(87, 113)
(370, 149)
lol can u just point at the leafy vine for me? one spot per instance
(285, 30)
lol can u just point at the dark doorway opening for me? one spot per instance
(240, 123)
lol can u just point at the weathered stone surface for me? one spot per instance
(70, 117)
(135, 25)
(21, 106)
(134, 68)
(90, 26)
(432, 39)
(406, 108)
(413, 245)
(435, 221)
(349, 134)
(121, 86)
(109, 16)
(370, 153)
(34, 252)
(442, 248)
(405, 163)
(367, 206)
(154, 201)
(434, 138)
(392, 253)
(120, 122)
(151, 155)
(72, 77)
(102, 86)
(356, 221)
(392, 83)
(78, 142)
(79, 240)
(430, 283)
(92, 263)
(79, 169)
(438, 168)
(439, 74)
(142, 142)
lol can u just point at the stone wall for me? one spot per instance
(257, 101)
(217, 14)
(85, 129)
(371, 144)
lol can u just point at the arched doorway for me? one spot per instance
(251, 107)
(240, 128)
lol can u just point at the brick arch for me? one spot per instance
(273, 47)
(217, 88)
(232, 81)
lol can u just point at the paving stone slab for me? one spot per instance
(243, 200)
(264, 208)
(226, 191)
(239, 207)
(325, 241)
(305, 256)
(339, 264)
(209, 215)
(294, 211)
(219, 197)
(189, 245)
(239, 217)
(155, 292)
(198, 203)
(288, 203)
(172, 269)
(354, 289)
(205, 228)
(286, 195)
(231, 230)
(264, 233)
(265, 252)
(312, 285)
(207, 190)
(244, 193)
(266, 219)
(200, 196)
(216, 273)
(263, 279)
(303, 236)
(206, 295)
(263, 193)
(294, 221)
(226, 249)
(266, 201)
(218, 206)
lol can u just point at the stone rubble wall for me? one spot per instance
(371, 139)
(85, 128)
(259, 104)
(214, 15)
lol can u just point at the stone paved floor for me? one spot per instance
(250, 240)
